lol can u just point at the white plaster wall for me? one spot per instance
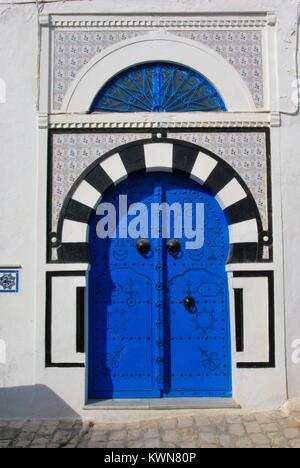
(61, 392)
(18, 158)
(290, 163)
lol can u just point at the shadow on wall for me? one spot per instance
(35, 402)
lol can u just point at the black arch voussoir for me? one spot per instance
(219, 178)
(76, 211)
(244, 253)
(133, 159)
(99, 179)
(244, 210)
(76, 252)
(184, 158)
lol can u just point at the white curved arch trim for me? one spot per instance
(167, 48)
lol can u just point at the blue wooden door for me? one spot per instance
(159, 319)
(197, 328)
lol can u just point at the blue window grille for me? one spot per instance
(158, 87)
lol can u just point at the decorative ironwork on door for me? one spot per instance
(159, 312)
(158, 87)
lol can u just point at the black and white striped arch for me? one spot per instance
(245, 228)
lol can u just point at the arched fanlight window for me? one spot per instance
(158, 87)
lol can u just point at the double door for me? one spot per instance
(158, 292)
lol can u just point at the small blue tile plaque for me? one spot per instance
(9, 281)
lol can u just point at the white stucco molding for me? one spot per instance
(154, 21)
(271, 19)
(157, 120)
(162, 47)
(44, 20)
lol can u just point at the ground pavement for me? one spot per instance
(206, 429)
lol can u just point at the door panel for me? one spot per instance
(200, 363)
(143, 341)
(123, 295)
(199, 339)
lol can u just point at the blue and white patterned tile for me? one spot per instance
(73, 153)
(246, 153)
(74, 49)
(9, 281)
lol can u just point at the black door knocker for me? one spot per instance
(189, 304)
(174, 247)
(143, 246)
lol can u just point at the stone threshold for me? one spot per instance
(161, 404)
